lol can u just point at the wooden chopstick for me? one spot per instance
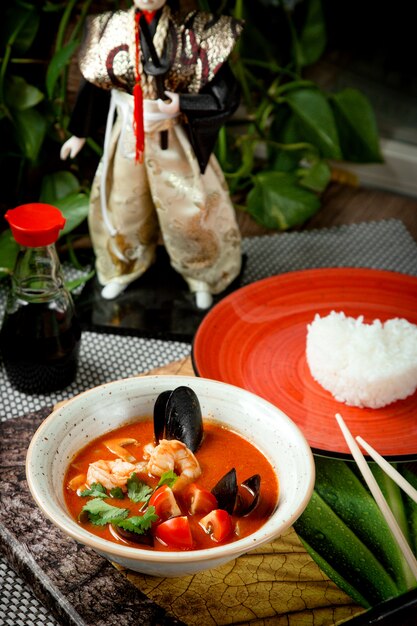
(377, 494)
(388, 469)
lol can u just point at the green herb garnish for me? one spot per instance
(139, 523)
(167, 478)
(96, 490)
(137, 490)
(101, 513)
(117, 492)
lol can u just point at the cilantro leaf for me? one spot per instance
(137, 490)
(101, 513)
(139, 523)
(96, 490)
(117, 492)
(167, 478)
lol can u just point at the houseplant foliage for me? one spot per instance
(275, 152)
(37, 40)
(279, 156)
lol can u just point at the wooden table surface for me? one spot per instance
(345, 204)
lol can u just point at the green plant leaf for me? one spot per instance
(21, 95)
(351, 500)
(357, 127)
(393, 495)
(58, 185)
(277, 201)
(346, 534)
(139, 523)
(335, 576)
(409, 471)
(313, 38)
(30, 130)
(336, 543)
(96, 490)
(74, 208)
(117, 493)
(316, 177)
(20, 26)
(8, 253)
(316, 120)
(58, 62)
(168, 478)
(137, 490)
(100, 513)
(71, 285)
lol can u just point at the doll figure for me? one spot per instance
(168, 90)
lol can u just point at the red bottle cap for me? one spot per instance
(36, 224)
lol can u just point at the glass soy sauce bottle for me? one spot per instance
(40, 335)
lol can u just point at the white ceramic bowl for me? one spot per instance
(103, 408)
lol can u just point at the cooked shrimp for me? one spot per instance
(112, 474)
(172, 455)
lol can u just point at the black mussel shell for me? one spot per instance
(252, 486)
(145, 539)
(225, 491)
(159, 414)
(183, 418)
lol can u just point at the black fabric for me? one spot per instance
(208, 111)
(90, 110)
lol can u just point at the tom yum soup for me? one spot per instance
(169, 483)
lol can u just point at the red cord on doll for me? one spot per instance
(137, 89)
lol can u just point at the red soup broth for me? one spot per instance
(221, 450)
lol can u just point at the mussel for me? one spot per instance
(234, 500)
(226, 490)
(248, 497)
(121, 533)
(177, 415)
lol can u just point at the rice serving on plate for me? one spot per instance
(363, 365)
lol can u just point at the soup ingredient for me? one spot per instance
(225, 491)
(198, 500)
(360, 364)
(112, 474)
(218, 524)
(175, 533)
(117, 447)
(177, 415)
(101, 513)
(233, 498)
(165, 504)
(138, 509)
(172, 455)
(248, 496)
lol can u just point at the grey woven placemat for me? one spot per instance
(380, 245)
(384, 245)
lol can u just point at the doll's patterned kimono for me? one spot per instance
(174, 187)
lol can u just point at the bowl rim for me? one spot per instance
(231, 550)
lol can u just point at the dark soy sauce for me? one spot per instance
(40, 345)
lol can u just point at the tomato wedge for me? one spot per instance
(175, 532)
(199, 500)
(165, 504)
(218, 524)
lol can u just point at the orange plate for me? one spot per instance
(255, 338)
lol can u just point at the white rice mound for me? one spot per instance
(363, 365)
